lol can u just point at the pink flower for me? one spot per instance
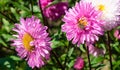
(109, 25)
(32, 41)
(82, 23)
(95, 51)
(44, 3)
(117, 34)
(54, 12)
(79, 63)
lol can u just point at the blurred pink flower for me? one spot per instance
(117, 34)
(55, 11)
(79, 63)
(95, 51)
(82, 23)
(44, 3)
(32, 41)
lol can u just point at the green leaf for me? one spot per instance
(15, 58)
(3, 4)
(116, 65)
(82, 48)
(96, 61)
(36, 9)
(63, 57)
(7, 63)
(56, 44)
(70, 52)
(116, 46)
(7, 37)
(2, 42)
(6, 26)
(13, 10)
(71, 63)
(21, 7)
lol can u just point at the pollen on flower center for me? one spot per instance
(82, 22)
(101, 7)
(27, 38)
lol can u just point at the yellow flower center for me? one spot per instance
(27, 38)
(82, 22)
(101, 7)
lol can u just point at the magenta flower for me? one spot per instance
(95, 51)
(82, 23)
(54, 12)
(32, 41)
(79, 63)
(117, 34)
(44, 3)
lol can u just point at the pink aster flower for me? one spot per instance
(32, 41)
(82, 23)
(95, 51)
(117, 34)
(55, 11)
(79, 63)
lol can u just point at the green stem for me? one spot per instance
(56, 57)
(44, 19)
(88, 55)
(7, 45)
(66, 55)
(66, 59)
(109, 49)
(31, 6)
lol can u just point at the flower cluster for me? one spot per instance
(84, 23)
(89, 19)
